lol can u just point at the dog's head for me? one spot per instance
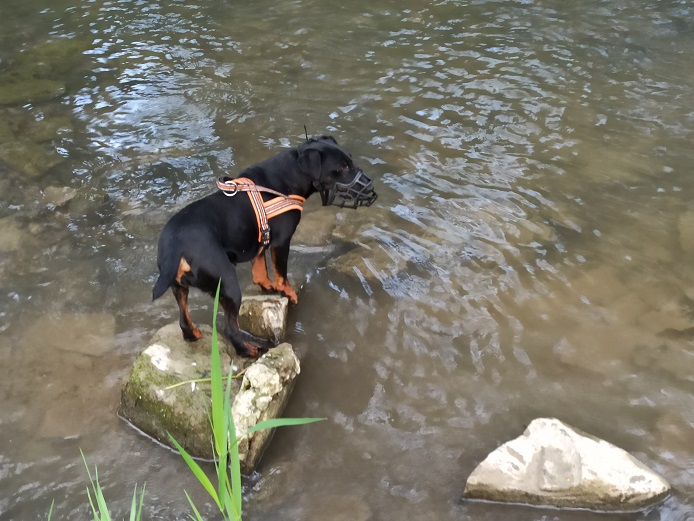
(334, 175)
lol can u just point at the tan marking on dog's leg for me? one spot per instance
(281, 284)
(183, 268)
(259, 269)
(181, 294)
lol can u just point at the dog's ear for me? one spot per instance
(310, 162)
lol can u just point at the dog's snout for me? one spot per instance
(359, 192)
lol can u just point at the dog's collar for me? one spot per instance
(263, 210)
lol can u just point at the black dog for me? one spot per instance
(203, 242)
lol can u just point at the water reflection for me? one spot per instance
(528, 255)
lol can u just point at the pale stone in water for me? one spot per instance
(58, 195)
(264, 316)
(553, 464)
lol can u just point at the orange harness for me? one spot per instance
(264, 210)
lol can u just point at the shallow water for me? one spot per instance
(529, 255)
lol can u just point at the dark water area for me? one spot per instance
(530, 253)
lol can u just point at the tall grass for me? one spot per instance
(98, 502)
(227, 493)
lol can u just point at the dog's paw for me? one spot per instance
(248, 351)
(285, 289)
(194, 335)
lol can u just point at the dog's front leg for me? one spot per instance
(259, 269)
(244, 343)
(280, 259)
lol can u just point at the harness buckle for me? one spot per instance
(265, 236)
(228, 187)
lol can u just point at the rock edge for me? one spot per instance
(553, 464)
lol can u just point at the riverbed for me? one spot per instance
(530, 253)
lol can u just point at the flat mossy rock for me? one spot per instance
(28, 157)
(22, 91)
(553, 464)
(160, 395)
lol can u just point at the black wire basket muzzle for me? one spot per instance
(359, 192)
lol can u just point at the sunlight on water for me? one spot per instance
(529, 254)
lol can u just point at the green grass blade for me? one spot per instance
(50, 511)
(102, 514)
(142, 500)
(133, 505)
(282, 422)
(197, 517)
(197, 471)
(235, 462)
(218, 425)
(135, 511)
(225, 486)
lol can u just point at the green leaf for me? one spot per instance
(197, 471)
(102, 514)
(218, 425)
(282, 422)
(224, 486)
(142, 500)
(197, 517)
(100, 499)
(135, 511)
(50, 511)
(235, 463)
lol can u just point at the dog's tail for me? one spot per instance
(168, 267)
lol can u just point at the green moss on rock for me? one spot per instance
(24, 90)
(149, 401)
(28, 157)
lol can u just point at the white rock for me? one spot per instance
(264, 393)
(553, 464)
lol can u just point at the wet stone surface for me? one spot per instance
(553, 464)
(163, 393)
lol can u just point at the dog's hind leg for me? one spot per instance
(190, 332)
(216, 265)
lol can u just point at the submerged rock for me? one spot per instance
(11, 235)
(553, 464)
(28, 157)
(162, 395)
(39, 73)
(57, 196)
(34, 90)
(90, 334)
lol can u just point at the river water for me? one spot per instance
(530, 253)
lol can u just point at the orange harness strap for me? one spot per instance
(263, 210)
